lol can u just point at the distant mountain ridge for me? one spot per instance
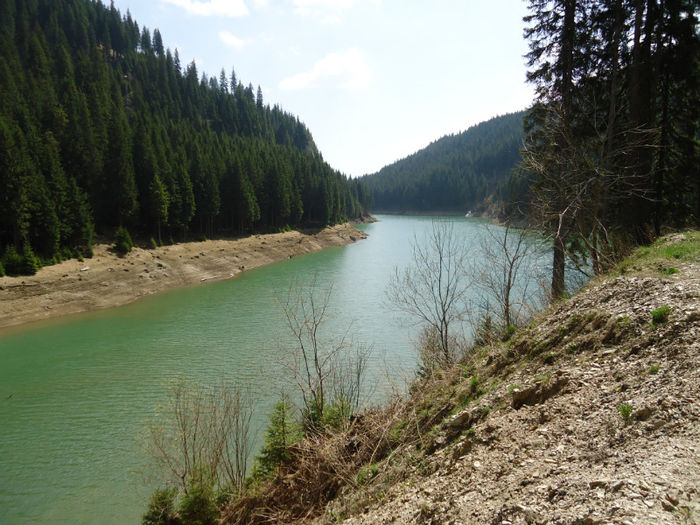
(456, 173)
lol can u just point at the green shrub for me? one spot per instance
(161, 509)
(282, 431)
(367, 473)
(197, 507)
(2, 270)
(152, 243)
(336, 415)
(20, 264)
(474, 384)
(660, 315)
(625, 411)
(12, 261)
(84, 250)
(122, 241)
(30, 262)
(508, 332)
(653, 369)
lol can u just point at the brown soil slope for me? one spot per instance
(107, 280)
(590, 416)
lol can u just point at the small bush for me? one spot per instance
(20, 264)
(122, 241)
(508, 332)
(336, 415)
(660, 315)
(668, 271)
(551, 357)
(152, 243)
(653, 369)
(2, 270)
(85, 251)
(282, 431)
(367, 473)
(161, 509)
(543, 378)
(30, 263)
(625, 411)
(474, 384)
(197, 507)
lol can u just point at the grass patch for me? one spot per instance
(660, 315)
(673, 247)
(543, 378)
(625, 412)
(512, 388)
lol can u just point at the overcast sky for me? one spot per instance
(374, 80)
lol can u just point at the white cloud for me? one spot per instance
(347, 70)
(229, 8)
(231, 40)
(322, 8)
(326, 4)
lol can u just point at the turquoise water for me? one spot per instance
(75, 393)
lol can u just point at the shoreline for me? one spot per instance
(107, 280)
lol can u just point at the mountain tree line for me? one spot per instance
(612, 151)
(455, 173)
(102, 127)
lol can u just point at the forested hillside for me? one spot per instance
(612, 148)
(456, 173)
(102, 127)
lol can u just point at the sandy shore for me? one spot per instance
(106, 280)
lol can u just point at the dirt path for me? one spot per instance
(107, 280)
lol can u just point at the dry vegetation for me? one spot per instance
(589, 415)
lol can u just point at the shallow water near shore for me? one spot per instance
(75, 392)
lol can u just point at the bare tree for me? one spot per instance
(506, 254)
(433, 290)
(203, 436)
(325, 370)
(582, 184)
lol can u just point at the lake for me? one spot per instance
(77, 392)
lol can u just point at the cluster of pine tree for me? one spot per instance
(612, 148)
(101, 127)
(455, 173)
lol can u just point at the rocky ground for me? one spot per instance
(107, 280)
(589, 416)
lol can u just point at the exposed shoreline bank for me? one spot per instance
(107, 280)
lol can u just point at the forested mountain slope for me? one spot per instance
(101, 127)
(456, 173)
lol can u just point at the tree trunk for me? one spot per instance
(558, 263)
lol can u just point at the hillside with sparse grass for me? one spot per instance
(588, 415)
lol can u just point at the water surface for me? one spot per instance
(75, 393)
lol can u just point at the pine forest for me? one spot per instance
(103, 129)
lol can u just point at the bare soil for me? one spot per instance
(107, 280)
(589, 416)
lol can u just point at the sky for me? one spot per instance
(373, 80)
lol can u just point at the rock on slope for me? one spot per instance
(589, 416)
